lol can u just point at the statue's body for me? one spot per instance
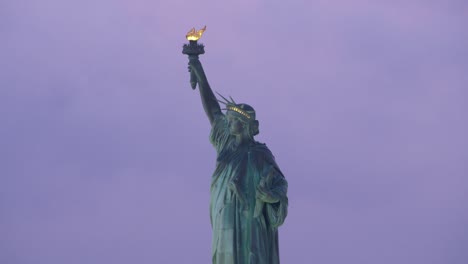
(248, 191)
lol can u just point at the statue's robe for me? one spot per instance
(245, 229)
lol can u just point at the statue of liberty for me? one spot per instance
(248, 190)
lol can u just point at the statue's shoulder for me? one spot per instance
(261, 151)
(219, 118)
(263, 156)
(219, 122)
(259, 146)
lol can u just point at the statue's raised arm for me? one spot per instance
(209, 101)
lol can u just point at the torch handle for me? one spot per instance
(193, 80)
(193, 76)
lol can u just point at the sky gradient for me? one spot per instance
(104, 151)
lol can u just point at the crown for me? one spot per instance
(243, 109)
(238, 110)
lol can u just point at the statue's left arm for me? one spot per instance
(272, 187)
(272, 194)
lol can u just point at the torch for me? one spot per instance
(193, 49)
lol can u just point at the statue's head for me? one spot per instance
(241, 118)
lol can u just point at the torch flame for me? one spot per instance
(195, 35)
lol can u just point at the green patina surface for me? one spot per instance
(248, 190)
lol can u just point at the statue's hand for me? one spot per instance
(193, 69)
(194, 64)
(196, 71)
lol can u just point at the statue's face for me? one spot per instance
(236, 126)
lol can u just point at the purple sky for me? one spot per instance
(104, 151)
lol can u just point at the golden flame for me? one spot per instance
(195, 35)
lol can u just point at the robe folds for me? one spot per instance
(245, 229)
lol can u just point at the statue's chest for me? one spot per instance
(240, 174)
(233, 165)
(236, 164)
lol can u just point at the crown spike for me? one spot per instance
(232, 100)
(221, 102)
(227, 101)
